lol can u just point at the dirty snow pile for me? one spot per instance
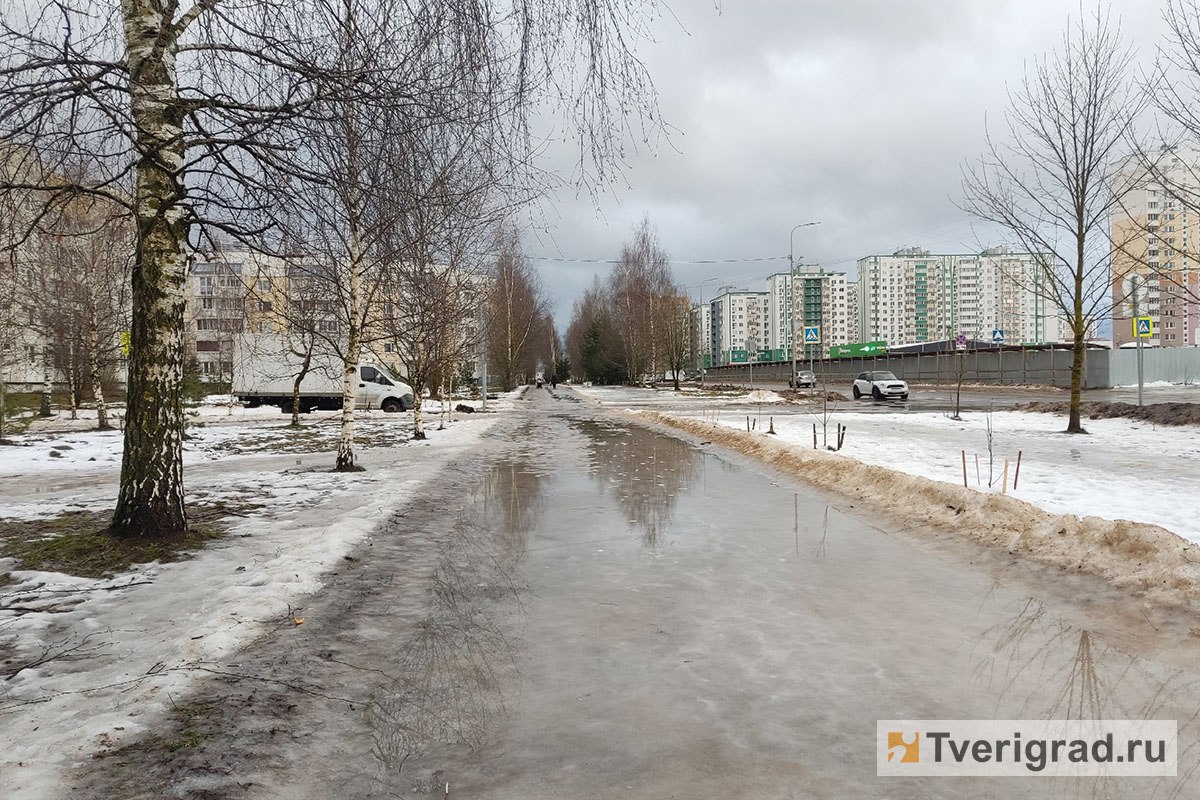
(763, 396)
(1121, 470)
(96, 660)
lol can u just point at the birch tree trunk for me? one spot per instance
(350, 376)
(418, 418)
(150, 498)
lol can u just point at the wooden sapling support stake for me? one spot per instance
(964, 455)
(771, 431)
(747, 423)
(1004, 479)
(1017, 474)
(978, 478)
(814, 436)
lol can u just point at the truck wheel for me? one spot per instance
(392, 405)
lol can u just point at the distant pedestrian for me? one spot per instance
(553, 381)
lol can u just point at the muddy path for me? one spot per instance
(588, 608)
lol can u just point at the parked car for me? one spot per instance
(804, 379)
(880, 385)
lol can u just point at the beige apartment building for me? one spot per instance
(1155, 250)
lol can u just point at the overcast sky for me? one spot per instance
(856, 114)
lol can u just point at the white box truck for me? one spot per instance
(265, 369)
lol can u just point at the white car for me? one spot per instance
(880, 385)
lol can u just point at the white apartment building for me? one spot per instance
(819, 299)
(1155, 243)
(913, 296)
(735, 316)
(702, 337)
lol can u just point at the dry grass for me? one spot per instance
(1144, 558)
(77, 542)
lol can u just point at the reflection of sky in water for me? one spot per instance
(644, 471)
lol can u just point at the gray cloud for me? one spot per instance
(857, 114)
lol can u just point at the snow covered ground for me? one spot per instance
(117, 651)
(1123, 470)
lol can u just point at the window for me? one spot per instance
(264, 305)
(206, 324)
(208, 347)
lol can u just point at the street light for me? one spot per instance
(792, 292)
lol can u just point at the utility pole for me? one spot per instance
(1137, 335)
(792, 294)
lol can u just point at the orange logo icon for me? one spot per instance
(903, 747)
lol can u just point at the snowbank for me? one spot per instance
(121, 649)
(762, 396)
(1141, 557)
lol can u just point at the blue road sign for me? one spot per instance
(812, 333)
(1143, 326)
(998, 336)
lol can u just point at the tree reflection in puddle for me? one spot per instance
(645, 472)
(1040, 667)
(453, 672)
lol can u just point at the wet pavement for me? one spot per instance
(594, 609)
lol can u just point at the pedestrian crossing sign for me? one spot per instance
(1143, 327)
(812, 333)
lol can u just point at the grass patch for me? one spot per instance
(76, 543)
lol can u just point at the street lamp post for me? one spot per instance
(792, 294)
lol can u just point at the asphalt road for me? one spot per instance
(591, 609)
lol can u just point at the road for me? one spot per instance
(984, 398)
(592, 609)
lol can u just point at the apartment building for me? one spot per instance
(735, 316)
(1155, 242)
(913, 295)
(230, 292)
(811, 297)
(702, 337)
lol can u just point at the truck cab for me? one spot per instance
(378, 388)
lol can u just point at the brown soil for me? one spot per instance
(1155, 413)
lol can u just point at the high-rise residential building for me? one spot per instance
(913, 295)
(1155, 243)
(702, 337)
(820, 300)
(736, 316)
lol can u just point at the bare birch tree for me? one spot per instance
(516, 308)
(177, 105)
(638, 288)
(677, 334)
(1052, 181)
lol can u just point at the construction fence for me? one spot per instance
(1005, 366)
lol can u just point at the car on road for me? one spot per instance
(804, 379)
(879, 385)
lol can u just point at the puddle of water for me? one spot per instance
(689, 627)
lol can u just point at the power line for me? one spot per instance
(669, 261)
